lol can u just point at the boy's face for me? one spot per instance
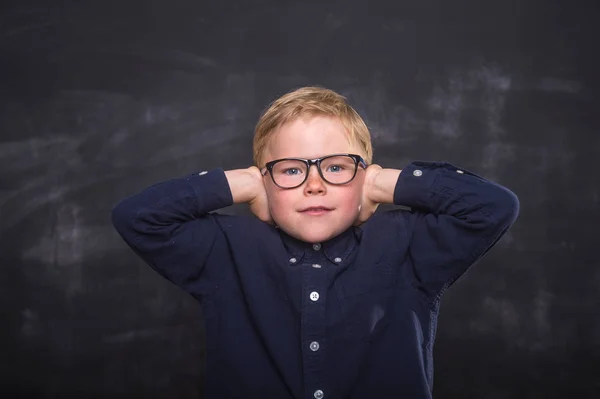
(313, 137)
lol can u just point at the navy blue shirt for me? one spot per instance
(353, 317)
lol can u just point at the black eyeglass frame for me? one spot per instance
(358, 160)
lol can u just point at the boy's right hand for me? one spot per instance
(247, 186)
(259, 204)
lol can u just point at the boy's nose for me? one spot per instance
(314, 182)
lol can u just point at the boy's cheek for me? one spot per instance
(274, 197)
(279, 205)
(359, 192)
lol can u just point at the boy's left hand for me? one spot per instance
(368, 206)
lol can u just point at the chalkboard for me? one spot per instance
(101, 99)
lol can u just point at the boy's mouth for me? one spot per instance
(316, 210)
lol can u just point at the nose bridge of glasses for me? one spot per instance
(314, 173)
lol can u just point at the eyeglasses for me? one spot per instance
(335, 169)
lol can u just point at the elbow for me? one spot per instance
(122, 217)
(508, 207)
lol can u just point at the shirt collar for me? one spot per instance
(337, 249)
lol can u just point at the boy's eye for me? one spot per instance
(291, 171)
(335, 168)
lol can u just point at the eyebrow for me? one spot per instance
(317, 157)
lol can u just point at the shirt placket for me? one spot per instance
(313, 323)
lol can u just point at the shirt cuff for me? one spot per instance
(211, 189)
(416, 184)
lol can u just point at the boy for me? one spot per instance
(315, 298)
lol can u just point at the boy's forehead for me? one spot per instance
(303, 139)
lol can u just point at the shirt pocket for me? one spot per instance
(365, 297)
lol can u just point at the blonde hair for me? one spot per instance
(310, 101)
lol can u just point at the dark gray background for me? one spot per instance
(101, 99)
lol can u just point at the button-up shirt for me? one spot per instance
(353, 317)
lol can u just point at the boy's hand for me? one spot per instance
(378, 188)
(368, 205)
(247, 186)
(259, 205)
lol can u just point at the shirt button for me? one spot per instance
(314, 346)
(314, 296)
(418, 172)
(316, 266)
(319, 394)
(293, 260)
(316, 247)
(337, 260)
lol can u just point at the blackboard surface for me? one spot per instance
(101, 99)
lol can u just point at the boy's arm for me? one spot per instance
(169, 226)
(456, 216)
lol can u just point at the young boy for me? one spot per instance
(315, 298)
